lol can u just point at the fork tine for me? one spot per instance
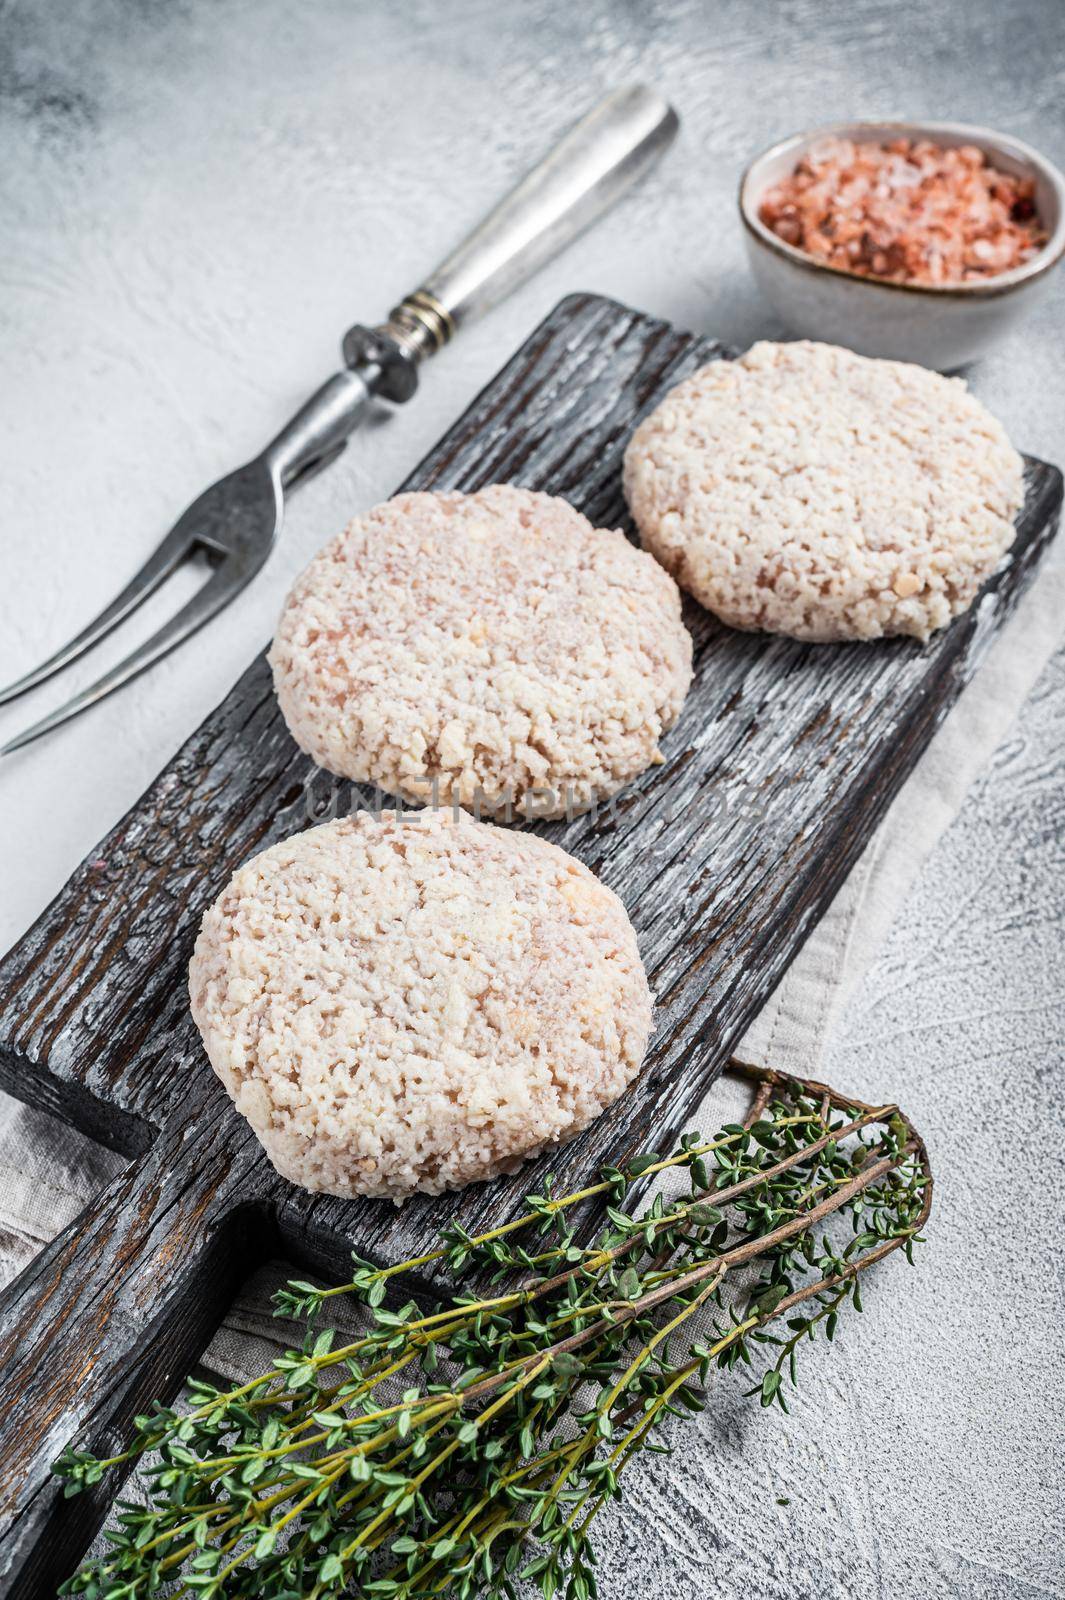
(164, 560)
(227, 580)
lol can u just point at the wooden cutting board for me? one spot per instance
(785, 758)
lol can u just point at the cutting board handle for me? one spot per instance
(111, 1315)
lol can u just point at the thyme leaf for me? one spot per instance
(464, 1447)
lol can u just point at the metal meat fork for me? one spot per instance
(235, 522)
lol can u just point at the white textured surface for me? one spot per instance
(196, 201)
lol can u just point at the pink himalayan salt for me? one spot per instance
(909, 211)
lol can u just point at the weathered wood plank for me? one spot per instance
(112, 1315)
(784, 759)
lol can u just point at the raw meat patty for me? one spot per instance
(415, 1003)
(806, 490)
(491, 648)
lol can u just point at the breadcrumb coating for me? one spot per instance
(809, 491)
(493, 648)
(416, 1003)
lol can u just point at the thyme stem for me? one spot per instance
(560, 1367)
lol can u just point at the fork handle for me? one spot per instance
(591, 167)
(594, 164)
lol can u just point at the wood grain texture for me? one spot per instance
(784, 759)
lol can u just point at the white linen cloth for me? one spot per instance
(48, 1172)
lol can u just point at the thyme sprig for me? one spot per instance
(463, 1447)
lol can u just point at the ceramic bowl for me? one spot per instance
(941, 326)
